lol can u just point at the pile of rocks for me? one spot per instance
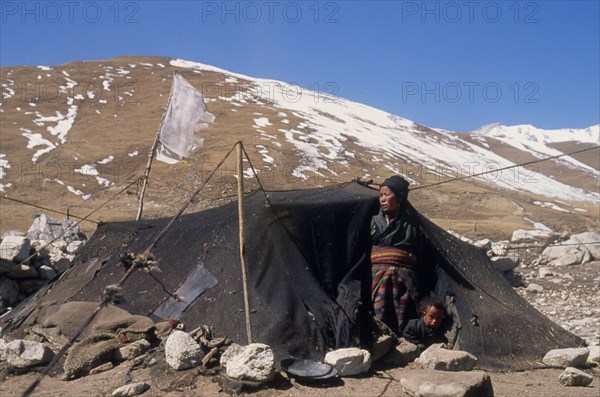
(570, 359)
(29, 262)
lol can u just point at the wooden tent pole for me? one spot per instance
(153, 153)
(145, 177)
(243, 240)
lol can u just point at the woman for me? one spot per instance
(395, 237)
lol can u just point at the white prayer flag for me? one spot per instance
(185, 115)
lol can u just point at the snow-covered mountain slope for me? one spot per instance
(393, 140)
(75, 133)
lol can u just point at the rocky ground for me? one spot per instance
(569, 296)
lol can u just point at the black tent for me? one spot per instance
(309, 278)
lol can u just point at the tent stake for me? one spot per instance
(243, 240)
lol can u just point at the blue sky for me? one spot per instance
(455, 65)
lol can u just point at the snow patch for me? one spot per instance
(78, 192)
(261, 122)
(35, 140)
(550, 205)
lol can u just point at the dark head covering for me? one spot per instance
(397, 184)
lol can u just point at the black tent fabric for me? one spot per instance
(309, 278)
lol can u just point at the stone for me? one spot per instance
(562, 358)
(545, 272)
(182, 351)
(432, 383)
(540, 232)
(594, 356)
(575, 377)
(14, 248)
(233, 350)
(442, 359)
(590, 241)
(504, 263)
(132, 350)
(22, 353)
(58, 247)
(9, 291)
(132, 389)
(23, 271)
(501, 248)
(535, 288)
(75, 246)
(40, 247)
(566, 254)
(349, 361)
(381, 347)
(401, 355)
(46, 272)
(255, 363)
(47, 228)
(485, 244)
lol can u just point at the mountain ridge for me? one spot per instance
(104, 115)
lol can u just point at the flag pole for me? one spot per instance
(241, 216)
(152, 154)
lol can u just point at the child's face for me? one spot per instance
(433, 316)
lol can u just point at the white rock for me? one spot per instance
(75, 246)
(14, 248)
(255, 363)
(132, 389)
(47, 228)
(438, 358)
(430, 383)
(133, 349)
(594, 356)
(504, 263)
(233, 350)
(590, 239)
(182, 351)
(349, 361)
(545, 272)
(535, 288)
(575, 377)
(58, 247)
(501, 248)
(565, 254)
(26, 353)
(522, 234)
(485, 244)
(562, 358)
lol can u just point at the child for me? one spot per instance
(427, 329)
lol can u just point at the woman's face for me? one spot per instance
(390, 203)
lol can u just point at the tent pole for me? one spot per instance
(240, 186)
(153, 153)
(145, 177)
